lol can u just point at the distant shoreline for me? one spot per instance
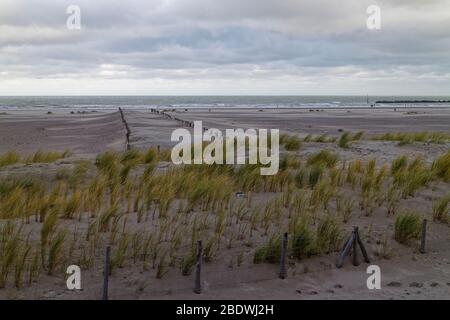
(222, 102)
(376, 106)
(411, 101)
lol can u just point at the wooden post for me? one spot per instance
(363, 249)
(198, 269)
(346, 243)
(106, 273)
(355, 247)
(158, 148)
(346, 250)
(282, 274)
(352, 243)
(424, 233)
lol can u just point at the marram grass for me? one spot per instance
(407, 227)
(153, 217)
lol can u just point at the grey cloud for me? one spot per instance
(303, 41)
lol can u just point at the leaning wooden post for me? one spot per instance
(283, 272)
(363, 249)
(424, 233)
(355, 247)
(106, 273)
(198, 269)
(346, 250)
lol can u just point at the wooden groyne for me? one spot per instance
(411, 101)
(127, 128)
(183, 123)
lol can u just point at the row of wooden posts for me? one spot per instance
(352, 243)
(185, 123)
(127, 128)
(168, 116)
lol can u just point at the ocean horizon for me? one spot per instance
(147, 102)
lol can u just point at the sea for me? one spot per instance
(186, 102)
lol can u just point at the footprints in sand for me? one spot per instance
(418, 288)
(415, 288)
(394, 284)
(314, 292)
(414, 284)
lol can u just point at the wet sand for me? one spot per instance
(322, 121)
(83, 134)
(100, 131)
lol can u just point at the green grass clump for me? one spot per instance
(315, 173)
(131, 157)
(417, 175)
(120, 254)
(357, 136)
(290, 161)
(188, 263)
(328, 235)
(410, 137)
(441, 209)
(441, 167)
(410, 176)
(150, 155)
(398, 164)
(107, 162)
(55, 252)
(12, 157)
(323, 138)
(270, 252)
(9, 158)
(407, 227)
(323, 157)
(79, 172)
(309, 176)
(46, 157)
(300, 178)
(302, 243)
(346, 138)
(9, 246)
(291, 143)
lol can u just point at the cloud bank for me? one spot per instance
(159, 47)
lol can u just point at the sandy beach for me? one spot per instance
(406, 274)
(99, 131)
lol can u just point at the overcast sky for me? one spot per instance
(224, 47)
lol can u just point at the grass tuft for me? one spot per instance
(404, 138)
(9, 158)
(441, 167)
(269, 252)
(407, 227)
(441, 209)
(291, 143)
(323, 157)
